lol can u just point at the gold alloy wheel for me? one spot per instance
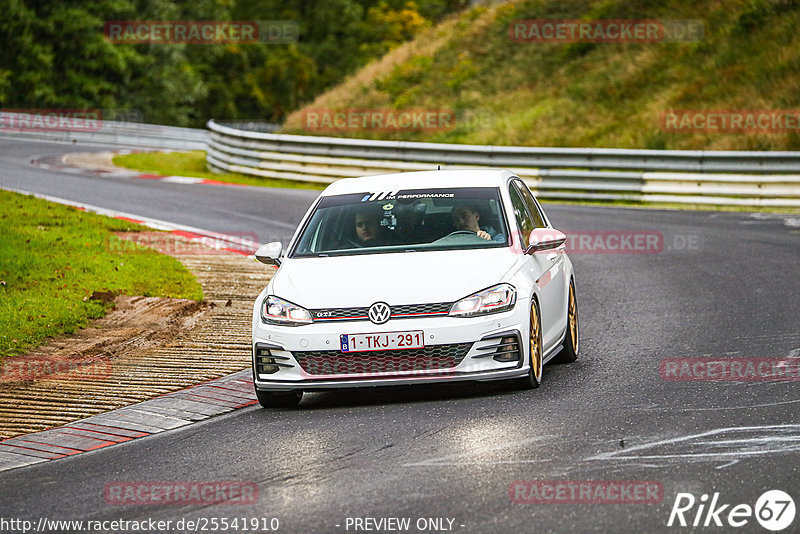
(573, 318)
(536, 348)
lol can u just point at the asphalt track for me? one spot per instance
(724, 285)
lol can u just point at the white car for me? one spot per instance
(419, 277)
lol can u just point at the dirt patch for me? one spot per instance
(103, 296)
(135, 323)
(143, 348)
(92, 160)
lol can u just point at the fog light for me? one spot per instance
(265, 364)
(507, 350)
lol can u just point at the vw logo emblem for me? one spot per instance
(379, 312)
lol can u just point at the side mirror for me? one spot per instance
(270, 254)
(545, 239)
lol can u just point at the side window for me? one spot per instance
(524, 221)
(533, 207)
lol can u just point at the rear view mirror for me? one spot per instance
(545, 239)
(270, 254)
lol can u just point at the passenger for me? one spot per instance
(466, 217)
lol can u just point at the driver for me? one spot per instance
(466, 217)
(369, 231)
(366, 228)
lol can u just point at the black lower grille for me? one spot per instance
(431, 358)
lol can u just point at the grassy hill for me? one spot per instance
(586, 94)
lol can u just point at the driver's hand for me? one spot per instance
(484, 235)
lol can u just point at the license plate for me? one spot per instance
(414, 339)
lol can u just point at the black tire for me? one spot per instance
(572, 340)
(534, 377)
(272, 399)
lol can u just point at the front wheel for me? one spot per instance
(572, 340)
(534, 378)
(271, 399)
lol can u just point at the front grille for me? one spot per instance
(334, 362)
(418, 309)
(403, 311)
(338, 314)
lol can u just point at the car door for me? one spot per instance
(547, 267)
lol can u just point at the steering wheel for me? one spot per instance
(461, 232)
(348, 241)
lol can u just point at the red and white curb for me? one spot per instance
(58, 164)
(220, 241)
(153, 416)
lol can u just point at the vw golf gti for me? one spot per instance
(434, 276)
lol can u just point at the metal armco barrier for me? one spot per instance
(131, 134)
(675, 176)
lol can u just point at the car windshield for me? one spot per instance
(396, 221)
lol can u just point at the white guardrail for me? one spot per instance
(675, 176)
(14, 125)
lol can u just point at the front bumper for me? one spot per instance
(482, 353)
(272, 385)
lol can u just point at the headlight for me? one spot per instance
(283, 312)
(496, 299)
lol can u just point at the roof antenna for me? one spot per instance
(438, 167)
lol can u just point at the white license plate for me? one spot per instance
(414, 339)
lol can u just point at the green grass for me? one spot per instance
(586, 95)
(53, 257)
(194, 164)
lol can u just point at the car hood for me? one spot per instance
(397, 278)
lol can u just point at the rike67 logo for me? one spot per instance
(774, 510)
